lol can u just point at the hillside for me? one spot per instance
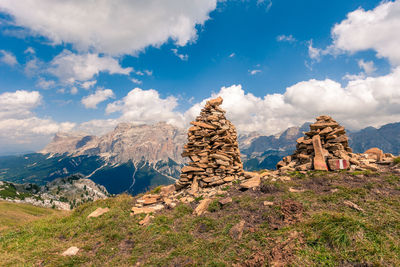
(62, 193)
(318, 218)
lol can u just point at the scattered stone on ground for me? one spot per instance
(225, 201)
(98, 212)
(72, 251)
(236, 231)
(212, 149)
(251, 183)
(268, 203)
(146, 220)
(202, 207)
(353, 205)
(326, 147)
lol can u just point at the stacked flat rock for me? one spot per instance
(324, 147)
(212, 149)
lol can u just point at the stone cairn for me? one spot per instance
(324, 147)
(212, 149)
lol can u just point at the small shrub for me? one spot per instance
(396, 160)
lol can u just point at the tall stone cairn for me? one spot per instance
(212, 149)
(324, 147)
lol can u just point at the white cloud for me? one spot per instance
(8, 58)
(367, 66)
(18, 123)
(313, 53)
(146, 106)
(91, 101)
(70, 67)
(183, 57)
(112, 27)
(285, 38)
(375, 29)
(45, 84)
(254, 72)
(137, 81)
(362, 102)
(88, 84)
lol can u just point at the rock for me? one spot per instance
(236, 231)
(72, 251)
(191, 169)
(148, 209)
(375, 153)
(215, 102)
(251, 183)
(98, 212)
(319, 159)
(145, 221)
(203, 125)
(268, 203)
(202, 207)
(250, 175)
(167, 190)
(338, 164)
(225, 201)
(352, 205)
(293, 190)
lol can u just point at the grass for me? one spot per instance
(17, 215)
(327, 233)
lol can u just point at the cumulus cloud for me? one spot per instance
(45, 84)
(18, 123)
(362, 102)
(91, 101)
(70, 67)
(146, 106)
(373, 29)
(112, 27)
(8, 58)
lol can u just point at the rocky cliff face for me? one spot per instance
(149, 143)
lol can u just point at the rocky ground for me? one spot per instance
(315, 218)
(62, 193)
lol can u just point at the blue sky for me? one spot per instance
(74, 66)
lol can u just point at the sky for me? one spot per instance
(86, 65)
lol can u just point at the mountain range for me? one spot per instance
(135, 158)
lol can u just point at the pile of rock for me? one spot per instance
(326, 147)
(212, 149)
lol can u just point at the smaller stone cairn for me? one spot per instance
(212, 149)
(324, 147)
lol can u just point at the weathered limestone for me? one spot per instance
(212, 149)
(319, 159)
(98, 212)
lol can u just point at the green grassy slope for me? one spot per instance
(308, 224)
(17, 215)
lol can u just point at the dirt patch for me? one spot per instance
(289, 212)
(283, 252)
